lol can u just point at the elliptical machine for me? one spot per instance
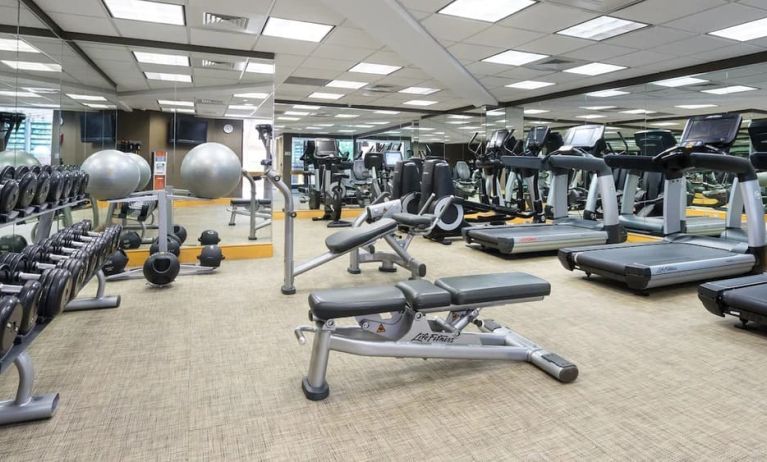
(328, 190)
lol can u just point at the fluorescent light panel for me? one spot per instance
(602, 28)
(170, 102)
(679, 82)
(598, 108)
(607, 93)
(370, 68)
(419, 90)
(260, 68)
(251, 95)
(594, 69)
(638, 111)
(744, 32)
(296, 30)
(86, 97)
(321, 95)
(420, 102)
(514, 58)
(729, 90)
(100, 106)
(295, 113)
(181, 110)
(530, 85)
(536, 111)
(17, 45)
(142, 10)
(161, 58)
(387, 112)
(346, 84)
(288, 118)
(19, 94)
(242, 107)
(346, 116)
(664, 124)
(485, 10)
(304, 106)
(32, 66)
(591, 116)
(167, 77)
(696, 106)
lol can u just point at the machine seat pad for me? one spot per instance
(413, 220)
(753, 299)
(346, 240)
(246, 202)
(498, 287)
(422, 294)
(355, 301)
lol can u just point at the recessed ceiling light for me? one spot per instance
(387, 112)
(260, 68)
(607, 93)
(540, 122)
(729, 90)
(602, 28)
(514, 58)
(638, 111)
(594, 69)
(536, 111)
(19, 94)
(696, 106)
(370, 68)
(325, 125)
(296, 30)
(469, 128)
(458, 122)
(314, 128)
(346, 84)
(321, 95)
(458, 116)
(17, 45)
(161, 58)
(679, 82)
(744, 32)
(32, 66)
(242, 107)
(419, 90)
(346, 131)
(420, 102)
(362, 126)
(304, 106)
(251, 95)
(591, 116)
(86, 97)
(178, 109)
(346, 116)
(529, 85)
(598, 108)
(485, 10)
(46, 105)
(100, 106)
(168, 102)
(664, 124)
(288, 118)
(427, 129)
(168, 77)
(295, 113)
(379, 123)
(142, 10)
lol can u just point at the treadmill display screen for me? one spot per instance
(537, 136)
(714, 130)
(585, 136)
(326, 148)
(391, 158)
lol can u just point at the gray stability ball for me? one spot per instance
(113, 175)
(211, 170)
(144, 168)
(18, 158)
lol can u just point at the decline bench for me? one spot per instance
(408, 332)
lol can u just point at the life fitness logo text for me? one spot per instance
(432, 338)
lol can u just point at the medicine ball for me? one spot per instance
(174, 246)
(161, 268)
(12, 243)
(211, 256)
(115, 263)
(180, 233)
(209, 237)
(130, 240)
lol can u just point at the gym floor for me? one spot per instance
(208, 369)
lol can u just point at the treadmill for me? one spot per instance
(563, 230)
(680, 257)
(651, 143)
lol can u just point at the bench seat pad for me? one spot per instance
(355, 301)
(344, 241)
(422, 295)
(499, 287)
(413, 220)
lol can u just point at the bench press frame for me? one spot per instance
(412, 334)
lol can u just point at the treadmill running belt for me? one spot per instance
(491, 233)
(617, 259)
(753, 299)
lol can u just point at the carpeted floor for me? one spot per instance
(209, 369)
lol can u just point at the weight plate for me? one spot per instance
(30, 299)
(10, 319)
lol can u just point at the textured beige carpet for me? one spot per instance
(208, 369)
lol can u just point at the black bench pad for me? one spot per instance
(246, 202)
(421, 294)
(500, 287)
(344, 241)
(355, 301)
(413, 220)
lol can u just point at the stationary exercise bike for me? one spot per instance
(328, 190)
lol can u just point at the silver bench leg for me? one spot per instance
(231, 218)
(314, 384)
(26, 407)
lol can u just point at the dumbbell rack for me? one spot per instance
(164, 198)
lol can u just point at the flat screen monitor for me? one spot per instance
(326, 148)
(537, 137)
(584, 136)
(715, 130)
(97, 127)
(654, 142)
(499, 136)
(391, 158)
(757, 131)
(187, 130)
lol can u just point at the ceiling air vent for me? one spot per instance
(209, 101)
(226, 21)
(308, 81)
(210, 64)
(381, 89)
(554, 64)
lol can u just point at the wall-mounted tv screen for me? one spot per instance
(187, 130)
(97, 127)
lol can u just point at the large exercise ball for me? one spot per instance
(144, 168)
(113, 175)
(18, 158)
(211, 170)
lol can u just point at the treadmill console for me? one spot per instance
(653, 142)
(325, 149)
(536, 138)
(391, 158)
(715, 130)
(584, 136)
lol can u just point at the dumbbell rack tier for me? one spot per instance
(25, 407)
(164, 198)
(43, 215)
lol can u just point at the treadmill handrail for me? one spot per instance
(724, 163)
(523, 162)
(640, 163)
(591, 164)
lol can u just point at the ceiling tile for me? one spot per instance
(662, 11)
(547, 17)
(600, 52)
(717, 18)
(222, 39)
(503, 37)
(452, 28)
(653, 38)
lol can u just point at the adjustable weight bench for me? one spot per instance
(407, 332)
(744, 298)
